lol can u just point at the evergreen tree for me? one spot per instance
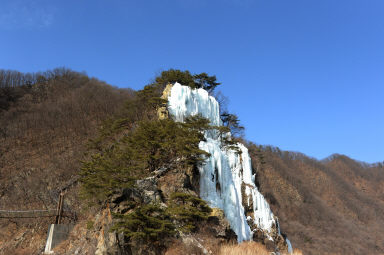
(151, 145)
(173, 75)
(232, 122)
(196, 81)
(206, 82)
(147, 222)
(188, 210)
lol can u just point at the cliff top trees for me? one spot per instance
(195, 81)
(232, 122)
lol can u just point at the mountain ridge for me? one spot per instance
(45, 133)
(341, 191)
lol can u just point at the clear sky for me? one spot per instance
(303, 75)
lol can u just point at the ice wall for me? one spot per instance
(226, 179)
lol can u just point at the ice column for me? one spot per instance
(226, 178)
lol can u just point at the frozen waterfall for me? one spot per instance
(226, 179)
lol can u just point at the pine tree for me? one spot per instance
(196, 81)
(188, 210)
(147, 222)
(150, 146)
(205, 81)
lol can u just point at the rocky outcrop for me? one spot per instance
(162, 112)
(249, 217)
(185, 180)
(96, 231)
(227, 179)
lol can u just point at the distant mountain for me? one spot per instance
(333, 206)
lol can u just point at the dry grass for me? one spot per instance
(245, 248)
(248, 248)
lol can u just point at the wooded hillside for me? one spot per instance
(334, 206)
(46, 121)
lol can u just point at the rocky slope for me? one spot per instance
(94, 236)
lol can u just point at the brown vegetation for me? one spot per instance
(334, 206)
(45, 125)
(248, 248)
(47, 120)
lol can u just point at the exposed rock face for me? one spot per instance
(162, 112)
(106, 241)
(227, 180)
(156, 190)
(179, 180)
(92, 237)
(249, 216)
(221, 225)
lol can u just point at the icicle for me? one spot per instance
(230, 168)
(290, 249)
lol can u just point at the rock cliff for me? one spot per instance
(226, 181)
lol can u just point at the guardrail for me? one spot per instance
(33, 214)
(27, 214)
(59, 213)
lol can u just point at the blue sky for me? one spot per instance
(302, 75)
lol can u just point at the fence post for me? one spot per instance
(59, 208)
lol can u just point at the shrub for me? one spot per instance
(90, 224)
(188, 210)
(147, 222)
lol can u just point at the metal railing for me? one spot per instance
(59, 213)
(28, 214)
